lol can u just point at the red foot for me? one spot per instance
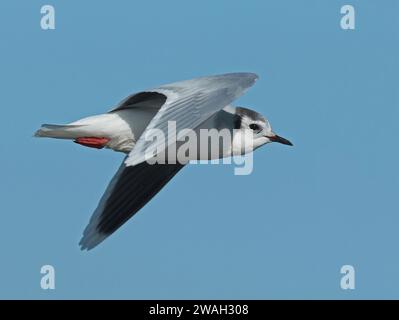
(92, 142)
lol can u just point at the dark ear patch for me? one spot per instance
(142, 99)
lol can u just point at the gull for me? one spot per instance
(200, 103)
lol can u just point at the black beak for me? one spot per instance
(279, 139)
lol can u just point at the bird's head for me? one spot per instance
(253, 122)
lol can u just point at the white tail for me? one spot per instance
(59, 131)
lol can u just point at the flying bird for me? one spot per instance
(201, 103)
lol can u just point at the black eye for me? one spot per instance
(254, 127)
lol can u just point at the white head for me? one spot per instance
(258, 125)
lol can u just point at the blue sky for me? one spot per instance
(282, 232)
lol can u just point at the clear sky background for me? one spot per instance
(282, 232)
